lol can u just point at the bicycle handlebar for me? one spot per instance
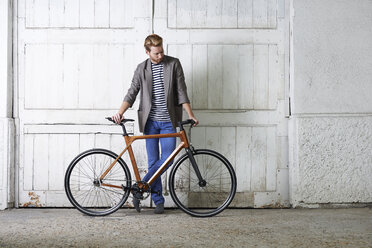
(180, 124)
(122, 121)
(189, 121)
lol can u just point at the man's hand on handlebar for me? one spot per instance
(196, 122)
(118, 118)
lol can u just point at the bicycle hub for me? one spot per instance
(202, 183)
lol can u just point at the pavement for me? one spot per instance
(42, 227)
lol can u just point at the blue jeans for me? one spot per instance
(155, 159)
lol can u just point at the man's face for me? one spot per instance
(156, 54)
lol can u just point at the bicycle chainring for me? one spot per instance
(139, 192)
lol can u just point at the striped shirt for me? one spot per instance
(159, 111)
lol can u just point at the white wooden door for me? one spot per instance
(235, 58)
(76, 59)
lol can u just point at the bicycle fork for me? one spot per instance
(190, 154)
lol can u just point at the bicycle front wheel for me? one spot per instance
(87, 192)
(210, 197)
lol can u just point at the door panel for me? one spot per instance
(82, 13)
(86, 74)
(240, 76)
(222, 14)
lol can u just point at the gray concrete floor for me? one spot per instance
(233, 228)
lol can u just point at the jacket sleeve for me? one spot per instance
(180, 84)
(132, 93)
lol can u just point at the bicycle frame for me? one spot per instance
(130, 139)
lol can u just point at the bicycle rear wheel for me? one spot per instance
(198, 199)
(87, 192)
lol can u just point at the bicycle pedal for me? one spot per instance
(137, 196)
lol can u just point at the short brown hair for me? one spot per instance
(153, 40)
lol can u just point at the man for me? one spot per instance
(161, 81)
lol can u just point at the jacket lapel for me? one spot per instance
(148, 75)
(166, 76)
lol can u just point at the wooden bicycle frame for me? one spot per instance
(130, 139)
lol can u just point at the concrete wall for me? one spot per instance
(6, 94)
(331, 88)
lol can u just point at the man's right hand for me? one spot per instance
(118, 118)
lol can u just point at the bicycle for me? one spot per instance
(202, 182)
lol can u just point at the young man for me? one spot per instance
(161, 81)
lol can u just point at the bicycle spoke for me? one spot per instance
(106, 195)
(86, 174)
(89, 167)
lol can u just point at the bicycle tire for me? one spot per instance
(208, 200)
(83, 187)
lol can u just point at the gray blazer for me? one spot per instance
(174, 87)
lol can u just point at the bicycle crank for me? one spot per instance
(141, 190)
